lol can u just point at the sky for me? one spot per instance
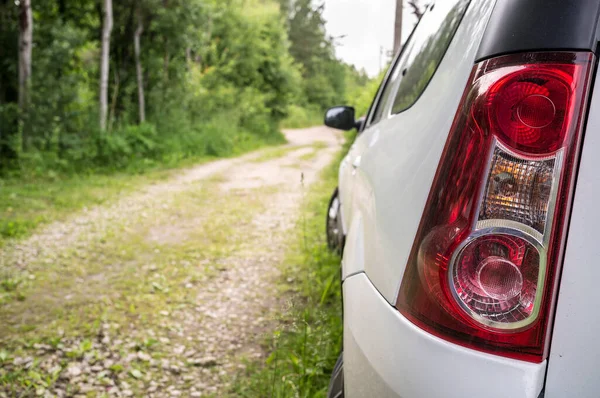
(367, 25)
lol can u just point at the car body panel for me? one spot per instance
(385, 355)
(344, 187)
(574, 352)
(354, 251)
(398, 158)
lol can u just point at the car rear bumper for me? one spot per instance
(385, 355)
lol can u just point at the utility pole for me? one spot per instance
(398, 27)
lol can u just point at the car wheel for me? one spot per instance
(335, 234)
(336, 384)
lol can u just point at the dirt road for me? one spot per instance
(164, 292)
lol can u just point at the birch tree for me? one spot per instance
(104, 61)
(25, 44)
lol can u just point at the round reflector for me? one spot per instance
(499, 278)
(494, 278)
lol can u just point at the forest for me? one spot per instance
(93, 86)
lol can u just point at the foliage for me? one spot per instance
(326, 81)
(300, 117)
(361, 97)
(218, 78)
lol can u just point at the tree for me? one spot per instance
(25, 45)
(324, 75)
(309, 43)
(104, 61)
(138, 66)
(398, 27)
(285, 7)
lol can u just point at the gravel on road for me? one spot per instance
(176, 282)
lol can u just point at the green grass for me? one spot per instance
(26, 203)
(304, 348)
(116, 268)
(274, 153)
(130, 277)
(317, 146)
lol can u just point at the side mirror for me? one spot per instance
(340, 117)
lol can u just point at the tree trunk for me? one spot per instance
(398, 27)
(25, 45)
(138, 67)
(62, 8)
(188, 56)
(104, 61)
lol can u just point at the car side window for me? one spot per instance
(389, 84)
(430, 42)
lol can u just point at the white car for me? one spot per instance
(469, 212)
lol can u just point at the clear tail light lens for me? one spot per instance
(483, 269)
(518, 189)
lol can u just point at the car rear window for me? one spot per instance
(428, 46)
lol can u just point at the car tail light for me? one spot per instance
(483, 268)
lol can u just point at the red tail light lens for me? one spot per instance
(482, 271)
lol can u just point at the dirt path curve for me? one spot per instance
(163, 292)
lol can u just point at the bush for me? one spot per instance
(299, 117)
(125, 146)
(361, 97)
